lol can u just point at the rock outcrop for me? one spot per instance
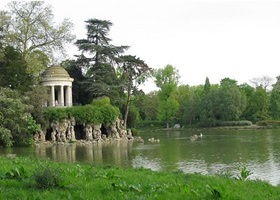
(64, 131)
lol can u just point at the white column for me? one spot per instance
(52, 97)
(70, 96)
(61, 103)
(67, 96)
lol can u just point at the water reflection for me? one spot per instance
(115, 153)
(140, 161)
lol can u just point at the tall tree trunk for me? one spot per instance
(167, 124)
(127, 109)
(128, 99)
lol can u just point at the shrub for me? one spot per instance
(135, 132)
(6, 138)
(101, 101)
(269, 123)
(101, 111)
(150, 124)
(55, 114)
(236, 123)
(109, 113)
(47, 178)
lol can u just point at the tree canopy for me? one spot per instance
(13, 70)
(98, 58)
(167, 80)
(29, 27)
(134, 71)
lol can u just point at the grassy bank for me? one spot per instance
(26, 178)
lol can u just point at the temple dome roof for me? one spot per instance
(55, 71)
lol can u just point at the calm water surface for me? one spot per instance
(218, 151)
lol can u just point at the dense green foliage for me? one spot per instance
(98, 57)
(13, 70)
(81, 95)
(167, 80)
(30, 28)
(100, 111)
(275, 100)
(25, 178)
(211, 105)
(133, 72)
(16, 123)
(37, 97)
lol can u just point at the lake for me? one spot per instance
(218, 151)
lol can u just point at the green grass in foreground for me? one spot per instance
(26, 178)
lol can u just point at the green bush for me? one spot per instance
(101, 101)
(216, 123)
(150, 124)
(100, 112)
(135, 132)
(269, 123)
(209, 123)
(55, 114)
(6, 138)
(109, 113)
(236, 123)
(47, 178)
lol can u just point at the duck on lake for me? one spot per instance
(195, 137)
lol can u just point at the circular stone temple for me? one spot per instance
(60, 84)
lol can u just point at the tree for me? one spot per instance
(191, 106)
(182, 94)
(167, 80)
(37, 97)
(13, 70)
(168, 109)
(249, 91)
(209, 111)
(209, 104)
(134, 71)
(98, 57)
(80, 93)
(29, 27)
(260, 104)
(207, 85)
(17, 125)
(264, 81)
(275, 100)
(148, 105)
(232, 100)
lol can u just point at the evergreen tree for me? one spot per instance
(207, 86)
(98, 58)
(80, 94)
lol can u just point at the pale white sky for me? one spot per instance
(213, 38)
